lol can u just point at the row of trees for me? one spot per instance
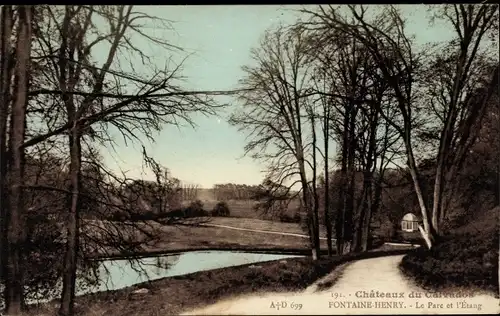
(164, 194)
(73, 79)
(355, 78)
(231, 191)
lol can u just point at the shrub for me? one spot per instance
(196, 206)
(297, 218)
(464, 260)
(221, 209)
(387, 230)
(285, 218)
(195, 209)
(375, 241)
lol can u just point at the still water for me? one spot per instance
(117, 274)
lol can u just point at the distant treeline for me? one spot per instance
(232, 191)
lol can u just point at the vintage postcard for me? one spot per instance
(249, 159)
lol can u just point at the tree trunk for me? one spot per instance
(72, 243)
(316, 239)
(348, 219)
(328, 221)
(498, 183)
(341, 205)
(308, 204)
(365, 230)
(14, 292)
(358, 231)
(426, 232)
(438, 195)
(312, 223)
(5, 84)
(374, 206)
(449, 188)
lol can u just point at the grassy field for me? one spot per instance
(258, 224)
(181, 237)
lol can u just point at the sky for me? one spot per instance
(218, 40)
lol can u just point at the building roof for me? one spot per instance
(410, 217)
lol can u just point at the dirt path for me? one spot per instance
(351, 295)
(261, 231)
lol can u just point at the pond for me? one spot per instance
(116, 274)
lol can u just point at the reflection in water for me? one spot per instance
(116, 274)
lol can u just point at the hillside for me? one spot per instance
(468, 257)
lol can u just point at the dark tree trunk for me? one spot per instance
(316, 239)
(5, 82)
(498, 184)
(71, 255)
(358, 231)
(308, 200)
(328, 221)
(374, 206)
(363, 229)
(349, 205)
(14, 292)
(341, 205)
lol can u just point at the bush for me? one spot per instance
(375, 241)
(297, 218)
(285, 218)
(465, 260)
(195, 209)
(196, 206)
(221, 209)
(387, 231)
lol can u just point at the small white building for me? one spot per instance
(410, 223)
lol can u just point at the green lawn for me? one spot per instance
(182, 237)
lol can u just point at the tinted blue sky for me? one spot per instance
(220, 39)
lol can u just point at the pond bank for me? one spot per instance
(174, 295)
(247, 249)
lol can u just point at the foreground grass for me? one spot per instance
(467, 258)
(173, 295)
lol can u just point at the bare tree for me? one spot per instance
(276, 114)
(81, 101)
(458, 74)
(325, 116)
(347, 80)
(15, 233)
(189, 191)
(394, 53)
